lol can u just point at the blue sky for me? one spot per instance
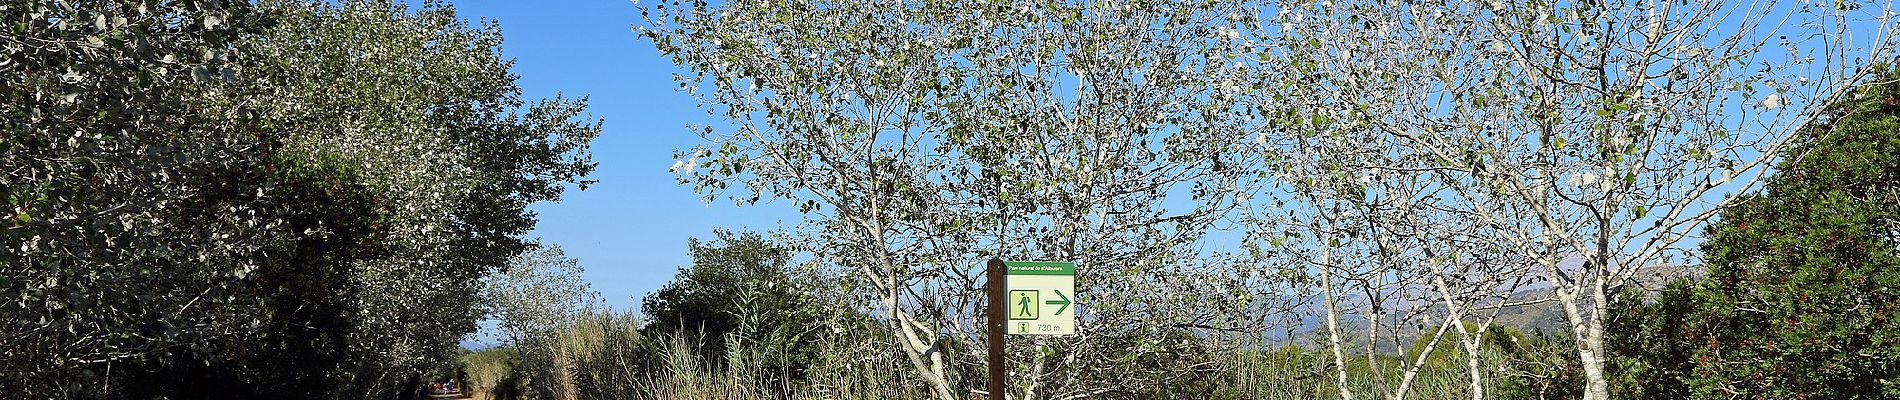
(630, 230)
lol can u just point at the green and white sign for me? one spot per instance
(1041, 296)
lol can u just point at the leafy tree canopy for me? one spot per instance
(295, 192)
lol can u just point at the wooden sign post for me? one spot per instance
(997, 294)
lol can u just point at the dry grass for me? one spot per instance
(605, 356)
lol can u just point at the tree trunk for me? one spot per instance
(1589, 335)
(1332, 320)
(1594, 385)
(1471, 363)
(1411, 372)
(1471, 341)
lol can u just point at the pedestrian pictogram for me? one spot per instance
(1023, 304)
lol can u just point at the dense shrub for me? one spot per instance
(1801, 278)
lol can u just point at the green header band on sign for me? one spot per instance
(1040, 267)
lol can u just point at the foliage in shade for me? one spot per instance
(1651, 356)
(134, 191)
(741, 292)
(703, 297)
(294, 193)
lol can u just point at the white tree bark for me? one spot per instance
(1332, 314)
(1411, 371)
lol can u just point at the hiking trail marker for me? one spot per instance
(1025, 298)
(1041, 297)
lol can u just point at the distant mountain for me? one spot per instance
(1545, 317)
